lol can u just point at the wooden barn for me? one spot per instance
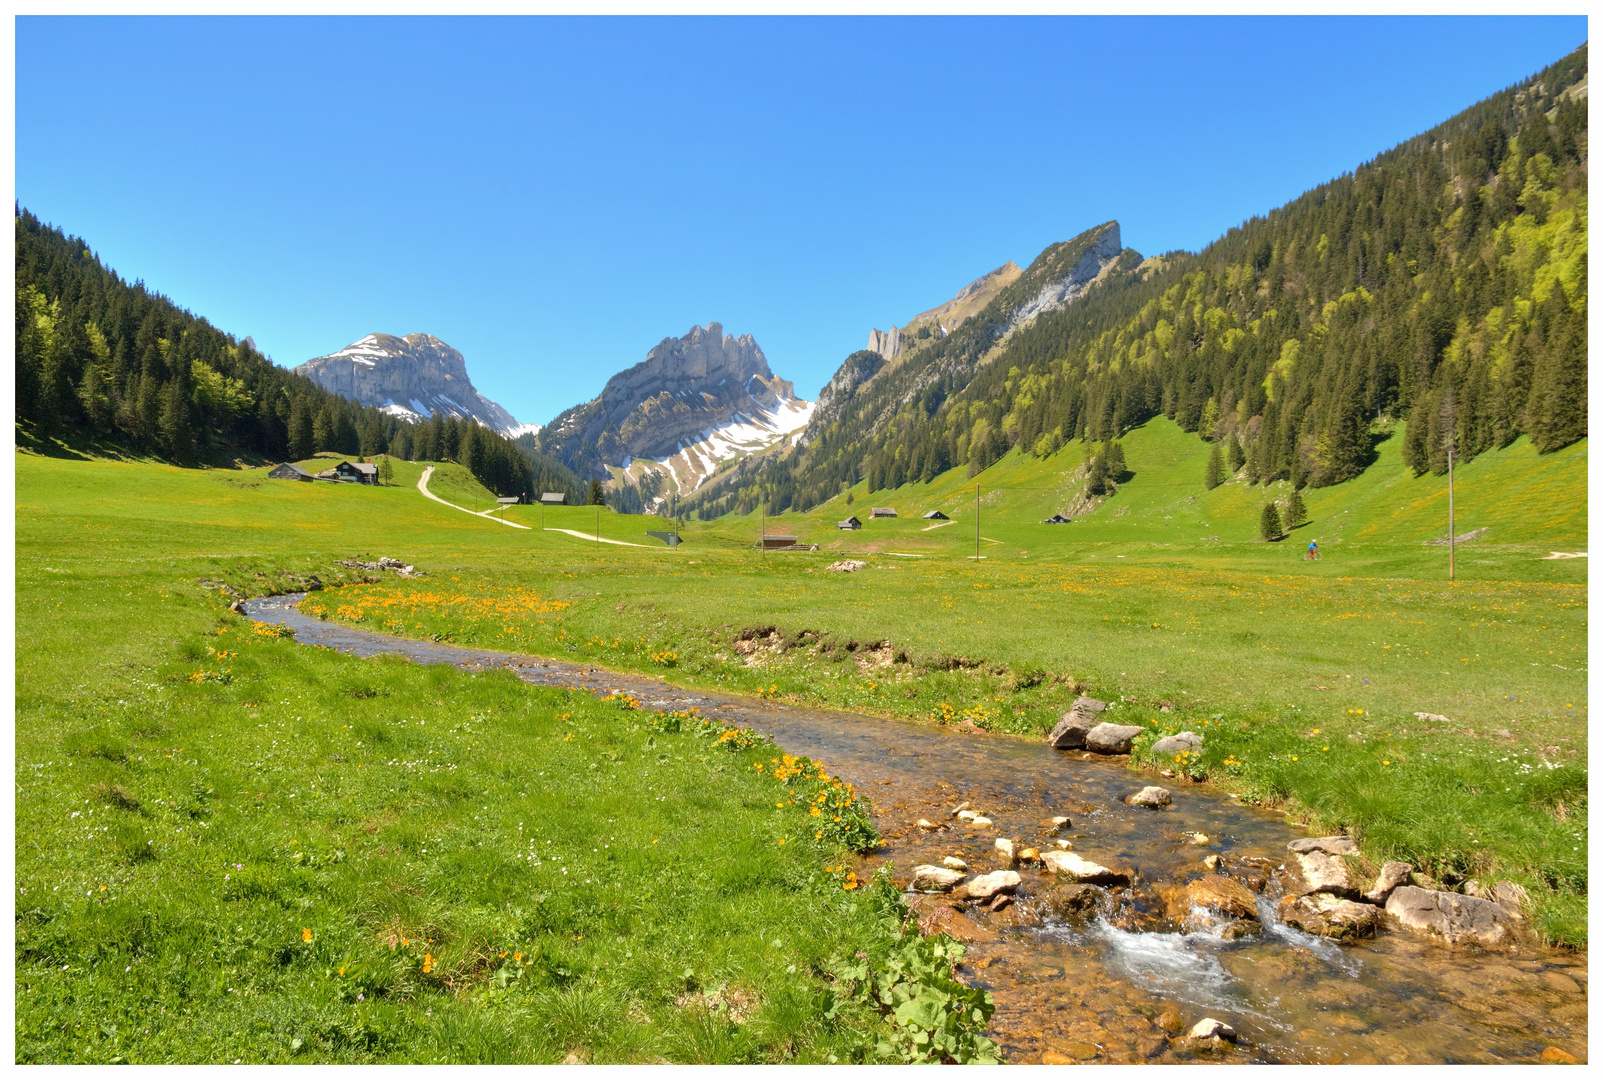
(553, 498)
(291, 471)
(778, 543)
(936, 515)
(357, 472)
(882, 511)
(849, 523)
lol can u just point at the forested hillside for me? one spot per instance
(1442, 283)
(100, 361)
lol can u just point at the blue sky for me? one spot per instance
(555, 196)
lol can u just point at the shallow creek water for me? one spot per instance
(1125, 985)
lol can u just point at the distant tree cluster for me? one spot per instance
(100, 361)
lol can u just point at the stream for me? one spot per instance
(1124, 984)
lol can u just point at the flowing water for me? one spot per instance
(1124, 983)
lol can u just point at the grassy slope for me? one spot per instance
(209, 871)
(1132, 601)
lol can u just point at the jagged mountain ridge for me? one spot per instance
(940, 321)
(412, 377)
(874, 387)
(868, 391)
(694, 402)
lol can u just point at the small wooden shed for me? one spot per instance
(553, 498)
(936, 515)
(882, 511)
(291, 471)
(775, 543)
(1057, 519)
(849, 523)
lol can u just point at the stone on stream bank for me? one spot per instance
(1391, 876)
(928, 878)
(1329, 916)
(1449, 916)
(1223, 894)
(1174, 744)
(1070, 732)
(1322, 873)
(1330, 845)
(1150, 796)
(1068, 864)
(1111, 738)
(1209, 1028)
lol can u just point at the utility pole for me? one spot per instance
(976, 519)
(1449, 421)
(598, 524)
(762, 536)
(1450, 540)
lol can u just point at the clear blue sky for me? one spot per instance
(553, 196)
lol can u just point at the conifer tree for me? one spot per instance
(1558, 399)
(1215, 474)
(1237, 457)
(386, 471)
(1296, 513)
(175, 426)
(301, 440)
(598, 496)
(1269, 523)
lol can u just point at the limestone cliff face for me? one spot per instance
(413, 377)
(685, 387)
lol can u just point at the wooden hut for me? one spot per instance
(553, 498)
(882, 511)
(849, 523)
(291, 471)
(778, 543)
(936, 515)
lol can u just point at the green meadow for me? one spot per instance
(219, 856)
(233, 848)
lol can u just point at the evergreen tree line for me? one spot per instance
(1443, 283)
(99, 360)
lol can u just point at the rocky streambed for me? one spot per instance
(1111, 928)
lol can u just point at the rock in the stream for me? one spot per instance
(957, 811)
(965, 815)
(1029, 855)
(1211, 862)
(1005, 852)
(1060, 822)
(1553, 1055)
(1391, 876)
(926, 824)
(948, 920)
(1173, 744)
(1209, 1028)
(1200, 839)
(952, 862)
(927, 878)
(1150, 796)
(1071, 902)
(1069, 734)
(1223, 894)
(1330, 845)
(985, 887)
(981, 822)
(1322, 873)
(1068, 864)
(1449, 916)
(1329, 916)
(1111, 738)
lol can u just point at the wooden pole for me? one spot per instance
(976, 519)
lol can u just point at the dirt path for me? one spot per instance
(593, 538)
(423, 486)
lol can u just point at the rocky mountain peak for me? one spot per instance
(413, 377)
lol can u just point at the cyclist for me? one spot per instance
(1313, 549)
